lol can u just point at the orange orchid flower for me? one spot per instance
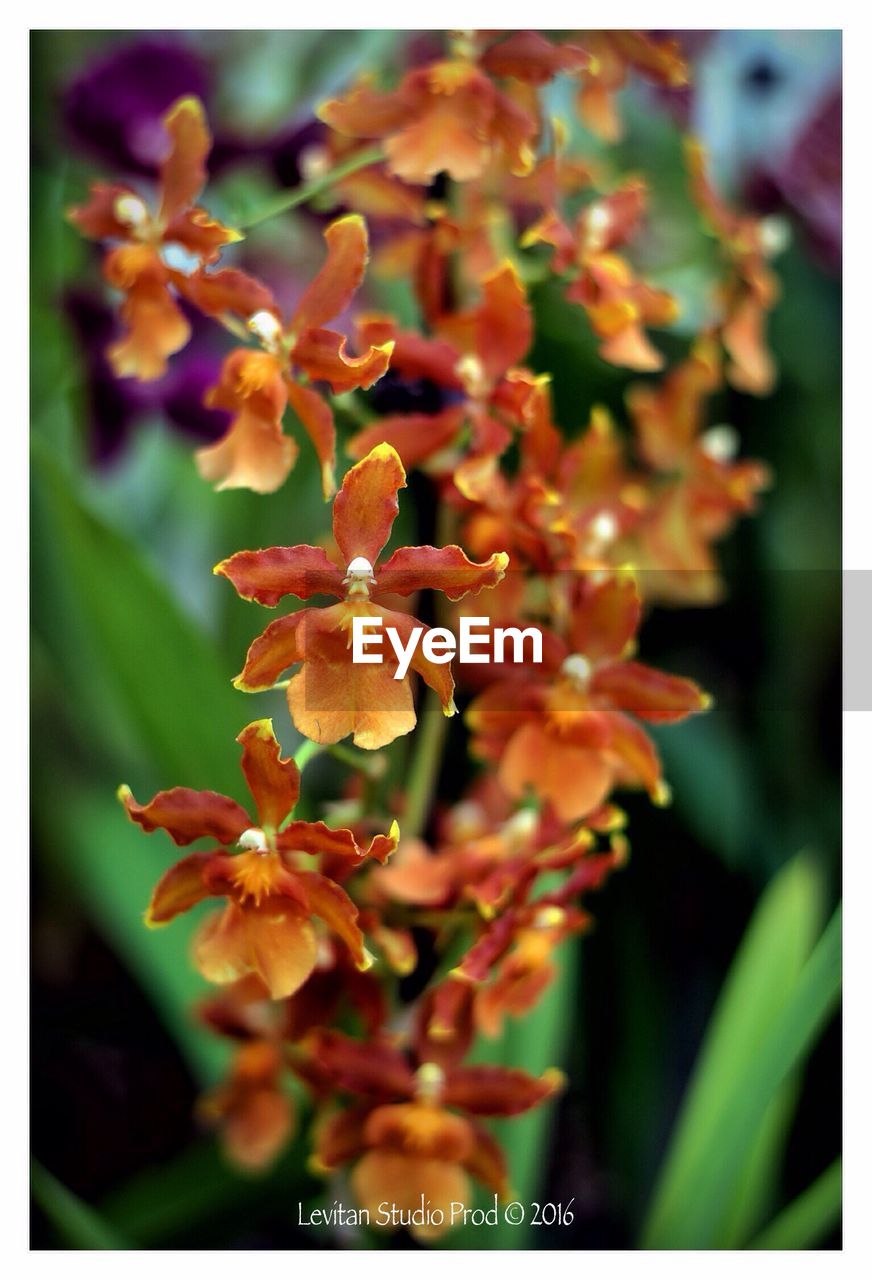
(706, 488)
(143, 266)
(473, 358)
(257, 386)
(266, 927)
(450, 116)
(511, 963)
(417, 1129)
(567, 728)
(751, 288)
(255, 1115)
(568, 507)
(618, 304)
(614, 54)
(331, 696)
(486, 869)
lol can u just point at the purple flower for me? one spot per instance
(117, 405)
(114, 107)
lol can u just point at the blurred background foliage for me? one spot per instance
(697, 1021)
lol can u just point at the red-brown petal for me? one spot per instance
(413, 355)
(340, 277)
(381, 847)
(272, 653)
(650, 694)
(179, 889)
(374, 1068)
(316, 837)
(324, 356)
(635, 753)
(363, 113)
(487, 1163)
(200, 233)
(187, 815)
(338, 1138)
(274, 782)
(528, 56)
(505, 321)
(266, 576)
(226, 292)
(498, 1091)
(366, 505)
(415, 436)
(97, 218)
(606, 617)
(333, 905)
(630, 348)
(257, 1127)
(183, 172)
(446, 569)
(317, 419)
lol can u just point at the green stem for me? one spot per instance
(432, 721)
(424, 772)
(372, 765)
(305, 752)
(308, 190)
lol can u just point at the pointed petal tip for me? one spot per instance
(263, 727)
(555, 1079)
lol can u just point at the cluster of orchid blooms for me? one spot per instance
(317, 924)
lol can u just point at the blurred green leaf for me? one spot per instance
(78, 1225)
(199, 1191)
(713, 783)
(110, 617)
(112, 867)
(809, 1218)
(772, 1008)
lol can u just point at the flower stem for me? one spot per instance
(372, 765)
(305, 752)
(308, 190)
(424, 771)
